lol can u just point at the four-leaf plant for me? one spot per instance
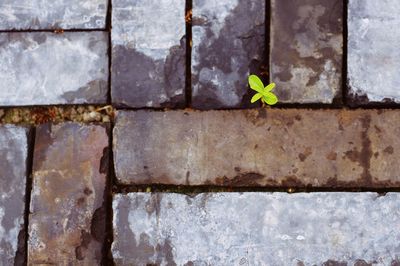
(263, 93)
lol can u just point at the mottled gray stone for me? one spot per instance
(67, 212)
(306, 50)
(228, 44)
(275, 147)
(13, 175)
(373, 56)
(148, 53)
(256, 229)
(55, 14)
(46, 68)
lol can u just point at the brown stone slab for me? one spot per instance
(275, 147)
(306, 50)
(67, 221)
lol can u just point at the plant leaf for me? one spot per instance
(270, 98)
(270, 87)
(256, 97)
(256, 83)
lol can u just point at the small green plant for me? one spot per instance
(263, 93)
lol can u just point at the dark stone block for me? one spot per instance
(306, 50)
(228, 44)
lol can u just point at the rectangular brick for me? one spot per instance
(67, 212)
(56, 14)
(306, 50)
(265, 147)
(256, 229)
(43, 68)
(373, 56)
(148, 53)
(13, 175)
(228, 44)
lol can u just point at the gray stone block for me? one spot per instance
(56, 14)
(67, 212)
(13, 175)
(42, 68)
(256, 229)
(148, 53)
(228, 44)
(306, 50)
(373, 54)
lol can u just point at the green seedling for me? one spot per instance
(263, 93)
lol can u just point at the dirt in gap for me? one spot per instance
(56, 114)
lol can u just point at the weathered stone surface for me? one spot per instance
(281, 147)
(57, 14)
(67, 216)
(148, 53)
(256, 229)
(13, 174)
(47, 68)
(306, 50)
(373, 57)
(228, 43)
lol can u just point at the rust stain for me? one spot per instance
(366, 151)
(292, 181)
(257, 117)
(188, 16)
(243, 179)
(298, 117)
(345, 118)
(307, 152)
(353, 155)
(363, 157)
(378, 130)
(389, 150)
(331, 156)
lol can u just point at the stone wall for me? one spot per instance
(127, 136)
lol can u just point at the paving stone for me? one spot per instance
(148, 53)
(306, 50)
(13, 175)
(373, 29)
(256, 229)
(57, 14)
(228, 43)
(43, 68)
(265, 147)
(67, 215)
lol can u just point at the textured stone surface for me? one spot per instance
(228, 44)
(373, 57)
(67, 219)
(256, 229)
(47, 68)
(306, 50)
(57, 14)
(289, 147)
(13, 174)
(148, 53)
